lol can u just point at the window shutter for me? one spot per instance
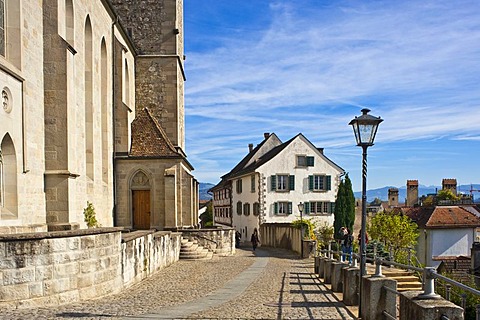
(332, 207)
(310, 161)
(289, 208)
(329, 182)
(273, 183)
(275, 208)
(307, 207)
(291, 182)
(310, 182)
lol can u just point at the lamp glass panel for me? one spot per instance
(366, 132)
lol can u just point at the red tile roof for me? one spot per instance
(148, 137)
(445, 216)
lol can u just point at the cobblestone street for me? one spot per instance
(266, 284)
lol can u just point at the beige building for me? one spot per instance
(93, 111)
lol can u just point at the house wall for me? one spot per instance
(444, 242)
(286, 163)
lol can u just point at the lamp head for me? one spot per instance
(365, 128)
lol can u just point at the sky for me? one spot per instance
(310, 66)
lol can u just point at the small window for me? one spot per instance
(320, 207)
(256, 208)
(282, 183)
(301, 161)
(239, 208)
(283, 208)
(319, 183)
(305, 161)
(239, 185)
(246, 209)
(252, 183)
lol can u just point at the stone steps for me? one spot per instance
(191, 250)
(406, 280)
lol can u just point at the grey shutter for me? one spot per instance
(291, 182)
(332, 207)
(310, 182)
(290, 208)
(275, 208)
(273, 183)
(310, 161)
(329, 182)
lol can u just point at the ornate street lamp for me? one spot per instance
(365, 128)
(300, 208)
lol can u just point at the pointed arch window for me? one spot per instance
(2, 27)
(8, 177)
(2, 186)
(88, 74)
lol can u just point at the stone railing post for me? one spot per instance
(376, 299)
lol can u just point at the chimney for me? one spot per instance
(250, 147)
(393, 197)
(412, 193)
(266, 135)
(450, 184)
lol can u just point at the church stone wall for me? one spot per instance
(167, 198)
(47, 269)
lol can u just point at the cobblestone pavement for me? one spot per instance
(267, 284)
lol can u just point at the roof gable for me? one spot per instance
(148, 137)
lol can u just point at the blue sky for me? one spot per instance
(256, 66)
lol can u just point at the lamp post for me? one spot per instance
(365, 128)
(300, 208)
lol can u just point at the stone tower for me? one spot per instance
(450, 184)
(156, 28)
(392, 197)
(412, 193)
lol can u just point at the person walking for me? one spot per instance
(348, 244)
(254, 239)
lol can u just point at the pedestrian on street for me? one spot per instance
(254, 239)
(348, 244)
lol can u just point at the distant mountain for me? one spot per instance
(382, 193)
(203, 190)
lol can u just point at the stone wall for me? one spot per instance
(280, 235)
(53, 268)
(219, 241)
(145, 252)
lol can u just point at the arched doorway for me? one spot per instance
(140, 187)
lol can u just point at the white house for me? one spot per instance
(445, 231)
(274, 177)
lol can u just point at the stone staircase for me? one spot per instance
(191, 250)
(406, 280)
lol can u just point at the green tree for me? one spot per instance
(340, 210)
(344, 213)
(325, 235)
(206, 218)
(308, 228)
(446, 194)
(350, 203)
(397, 232)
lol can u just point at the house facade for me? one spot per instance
(269, 183)
(74, 76)
(445, 232)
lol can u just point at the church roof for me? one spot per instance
(149, 139)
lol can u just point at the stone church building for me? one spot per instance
(93, 110)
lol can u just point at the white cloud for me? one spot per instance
(311, 70)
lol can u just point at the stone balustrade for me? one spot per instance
(379, 295)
